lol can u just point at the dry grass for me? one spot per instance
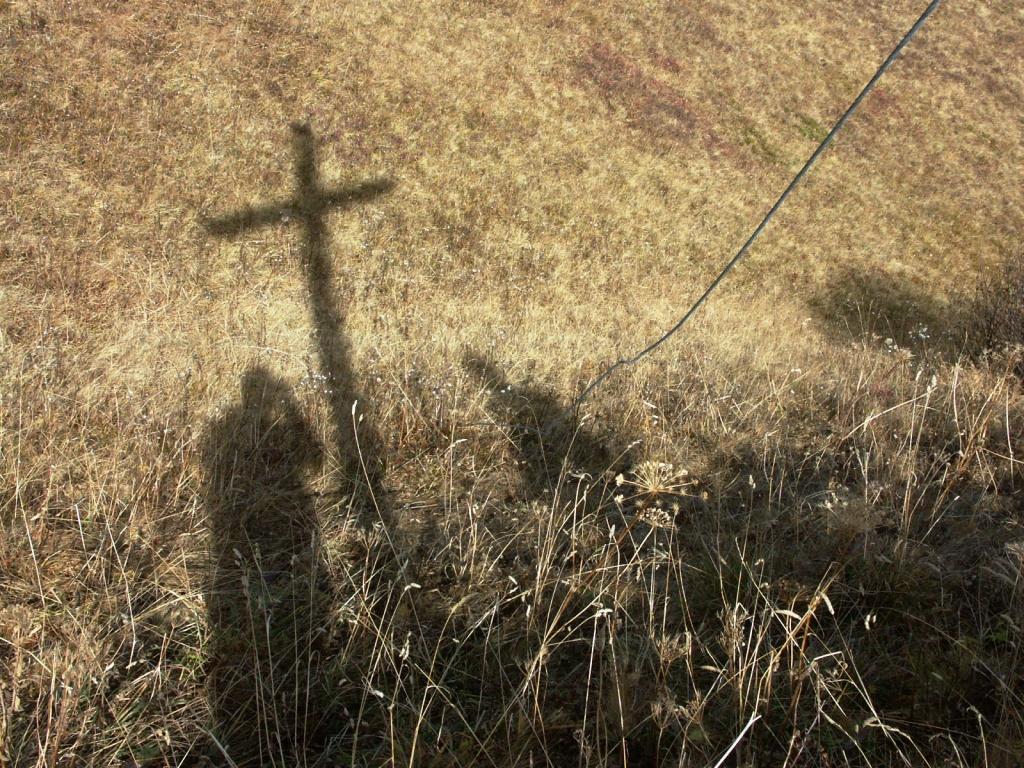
(805, 514)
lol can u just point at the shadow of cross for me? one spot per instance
(359, 448)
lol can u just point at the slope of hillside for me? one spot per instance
(223, 224)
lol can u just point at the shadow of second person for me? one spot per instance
(551, 446)
(268, 596)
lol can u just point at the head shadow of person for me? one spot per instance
(554, 450)
(269, 596)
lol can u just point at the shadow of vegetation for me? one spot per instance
(912, 561)
(995, 309)
(887, 310)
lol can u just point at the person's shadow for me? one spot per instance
(554, 452)
(269, 594)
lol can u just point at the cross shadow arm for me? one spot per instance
(254, 217)
(356, 193)
(250, 217)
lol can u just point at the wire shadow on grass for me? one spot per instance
(269, 597)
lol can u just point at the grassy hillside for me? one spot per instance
(222, 224)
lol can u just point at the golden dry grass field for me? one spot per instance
(794, 536)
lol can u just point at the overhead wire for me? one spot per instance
(622, 362)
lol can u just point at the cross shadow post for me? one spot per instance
(269, 598)
(359, 449)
